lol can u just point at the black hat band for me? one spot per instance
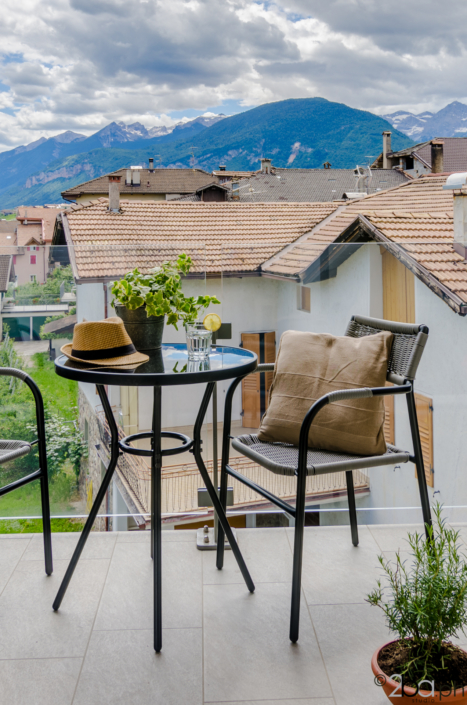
(104, 353)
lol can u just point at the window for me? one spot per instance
(32, 259)
(33, 277)
(304, 299)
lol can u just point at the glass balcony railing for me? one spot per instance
(313, 287)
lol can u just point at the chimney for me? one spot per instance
(266, 166)
(437, 158)
(327, 165)
(458, 184)
(386, 148)
(151, 164)
(114, 193)
(221, 167)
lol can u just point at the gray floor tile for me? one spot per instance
(39, 681)
(348, 635)
(335, 571)
(11, 551)
(29, 628)
(122, 668)
(167, 535)
(266, 552)
(247, 652)
(391, 537)
(128, 594)
(98, 545)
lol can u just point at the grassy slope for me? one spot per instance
(325, 131)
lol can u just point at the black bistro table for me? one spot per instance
(168, 368)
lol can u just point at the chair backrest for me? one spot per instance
(407, 348)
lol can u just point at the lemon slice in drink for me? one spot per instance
(212, 322)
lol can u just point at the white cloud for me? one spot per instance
(79, 64)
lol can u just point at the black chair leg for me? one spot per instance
(417, 446)
(352, 507)
(47, 531)
(297, 559)
(220, 530)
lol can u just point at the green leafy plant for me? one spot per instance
(64, 443)
(427, 603)
(161, 293)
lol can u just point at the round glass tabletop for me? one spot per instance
(170, 366)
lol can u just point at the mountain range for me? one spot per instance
(294, 133)
(451, 121)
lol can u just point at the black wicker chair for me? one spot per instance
(407, 348)
(12, 449)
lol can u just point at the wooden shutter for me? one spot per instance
(129, 404)
(255, 388)
(398, 290)
(389, 425)
(424, 406)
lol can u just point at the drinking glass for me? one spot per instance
(198, 341)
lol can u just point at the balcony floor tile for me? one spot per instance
(39, 681)
(247, 652)
(121, 667)
(127, 600)
(267, 554)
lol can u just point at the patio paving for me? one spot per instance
(220, 643)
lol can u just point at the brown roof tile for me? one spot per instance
(220, 237)
(157, 181)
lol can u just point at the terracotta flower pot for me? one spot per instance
(393, 689)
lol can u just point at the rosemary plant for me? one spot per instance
(427, 602)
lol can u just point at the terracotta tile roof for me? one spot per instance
(423, 195)
(312, 184)
(235, 237)
(427, 238)
(45, 217)
(157, 181)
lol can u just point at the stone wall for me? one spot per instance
(91, 472)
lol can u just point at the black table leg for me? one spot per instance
(212, 492)
(156, 518)
(114, 452)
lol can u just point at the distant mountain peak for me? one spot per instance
(68, 136)
(447, 122)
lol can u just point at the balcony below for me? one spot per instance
(220, 643)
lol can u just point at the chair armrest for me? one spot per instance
(332, 397)
(13, 372)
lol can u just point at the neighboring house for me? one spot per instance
(34, 230)
(280, 266)
(143, 184)
(298, 185)
(7, 275)
(440, 155)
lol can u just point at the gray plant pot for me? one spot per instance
(145, 332)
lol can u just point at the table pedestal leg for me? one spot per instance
(98, 501)
(156, 519)
(212, 491)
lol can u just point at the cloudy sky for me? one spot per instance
(79, 64)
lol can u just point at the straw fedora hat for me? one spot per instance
(103, 343)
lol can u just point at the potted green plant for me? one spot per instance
(426, 607)
(143, 301)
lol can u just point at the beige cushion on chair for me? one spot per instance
(310, 365)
